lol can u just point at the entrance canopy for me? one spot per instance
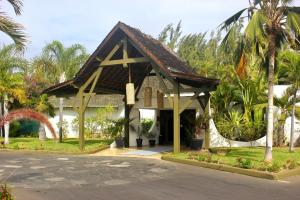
(143, 53)
(128, 55)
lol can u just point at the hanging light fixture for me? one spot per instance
(160, 100)
(148, 93)
(130, 94)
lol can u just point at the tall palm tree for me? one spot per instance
(12, 29)
(11, 79)
(270, 22)
(289, 63)
(65, 62)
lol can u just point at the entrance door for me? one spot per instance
(187, 126)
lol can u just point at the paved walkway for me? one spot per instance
(65, 177)
(145, 152)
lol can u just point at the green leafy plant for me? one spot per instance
(244, 163)
(65, 128)
(290, 164)
(116, 127)
(146, 125)
(5, 194)
(274, 167)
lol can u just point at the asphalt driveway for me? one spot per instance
(48, 176)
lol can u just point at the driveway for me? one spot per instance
(47, 176)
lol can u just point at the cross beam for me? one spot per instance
(83, 99)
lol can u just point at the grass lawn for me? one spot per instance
(251, 157)
(68, 145)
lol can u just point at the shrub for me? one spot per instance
(65, 128)
(5, 193)
(244, 163)
(200, 157)
(290, 164)
(274, 167)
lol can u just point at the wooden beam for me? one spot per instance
(113, 51)
(188, 102)
(90, 94)
(192, 89)
(81, 120)
(176, 118)
(126, 126)
(83, 100)
(125, 52)
(123, 61)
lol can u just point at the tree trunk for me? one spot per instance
(291, 148)
(1, 115)
(42, 132)
(281, 133)
(270, 125)
(61, 107)
(6, 125)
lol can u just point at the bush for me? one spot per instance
(290, 164)
(274, 167)
(5, 194)
(201, 157)
(24, 128)
(244, 163)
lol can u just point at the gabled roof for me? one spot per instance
(114, 78)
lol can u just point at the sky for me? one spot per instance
(87, 22)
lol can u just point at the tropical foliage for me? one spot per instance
(13, 29)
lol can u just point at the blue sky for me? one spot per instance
(88, 21)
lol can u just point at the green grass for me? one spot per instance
(67, 146)
(282, 159)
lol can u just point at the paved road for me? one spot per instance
(60, 177)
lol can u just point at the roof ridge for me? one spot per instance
(157, 42)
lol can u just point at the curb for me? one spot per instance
(54, 152)
(226, 168)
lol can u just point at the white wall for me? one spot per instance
(70, 114)
(216, 139)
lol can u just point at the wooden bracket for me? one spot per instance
(188, 102)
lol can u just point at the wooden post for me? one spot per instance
(176, 118)
(126, 128)
(81, 113)
(208, 128)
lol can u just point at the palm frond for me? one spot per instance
(231, 20)
(17, 5)
(13, 30)
(293, 22)
(254, 31)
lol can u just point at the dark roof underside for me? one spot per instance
(113, 78)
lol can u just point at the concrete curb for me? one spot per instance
(54, 152)
(247, 172)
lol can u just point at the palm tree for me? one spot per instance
(11, 79)
(270, 23)
(289, 63)
(65, 62)
(12, 29)
(285, 105)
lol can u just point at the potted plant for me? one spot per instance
(139, 140)
(116, 129)
(197, 140)
(151, 136)
(146, 125)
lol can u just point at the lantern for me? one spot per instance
(130, 95)
(160, 100)
(148, 96)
